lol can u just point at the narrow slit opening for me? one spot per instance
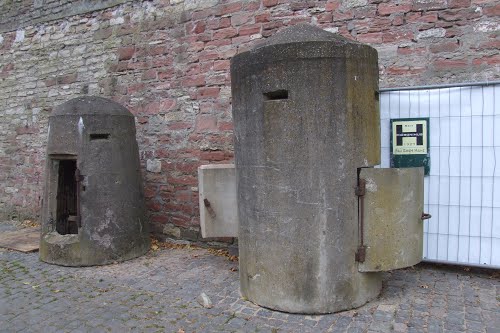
(66, 213)
(99, 136)
(276, 95)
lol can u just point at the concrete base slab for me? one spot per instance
(24, 240)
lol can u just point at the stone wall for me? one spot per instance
(168, 62)
(15, 14)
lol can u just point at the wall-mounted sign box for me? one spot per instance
(410, 143)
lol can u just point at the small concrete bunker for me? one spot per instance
(93, 206)
(317, 223)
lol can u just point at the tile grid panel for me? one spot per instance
(462, 192)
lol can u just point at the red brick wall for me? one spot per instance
(168, 62)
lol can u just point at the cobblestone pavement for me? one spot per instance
(157, 293)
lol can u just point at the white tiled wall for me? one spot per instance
(462, 191)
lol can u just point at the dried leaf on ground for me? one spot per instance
(156, 245)
(223, 253)
(30, 224)
(168, 245)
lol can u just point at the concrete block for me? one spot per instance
(218, 206)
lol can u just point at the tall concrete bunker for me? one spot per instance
(316, 222)
(93, 207)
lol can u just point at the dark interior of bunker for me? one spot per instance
(67, 200)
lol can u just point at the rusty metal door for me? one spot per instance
(391, 209)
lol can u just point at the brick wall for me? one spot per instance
(168, 63)
(15, 14)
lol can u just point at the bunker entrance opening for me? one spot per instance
(67, 198)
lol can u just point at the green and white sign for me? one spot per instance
(410, 143)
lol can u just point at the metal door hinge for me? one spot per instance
(360, 189)
(78, 178)
(361, 254)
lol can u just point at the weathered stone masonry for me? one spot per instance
(168, 62)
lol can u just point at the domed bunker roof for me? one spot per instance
(91, 105)
(304, 33)
(301, 41)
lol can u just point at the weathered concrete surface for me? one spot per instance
(217, 185)
(392, 207)
(100, 135)
(24, 240)
(305, 119)
(158, 293)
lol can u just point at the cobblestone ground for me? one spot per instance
(157, 293)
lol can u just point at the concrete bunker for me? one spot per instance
(93, 206)
(317, 223)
